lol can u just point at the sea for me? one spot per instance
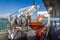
(3, 24)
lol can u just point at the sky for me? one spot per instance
(8, 7)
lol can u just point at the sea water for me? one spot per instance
(3, 24)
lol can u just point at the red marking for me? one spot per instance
(40, 33)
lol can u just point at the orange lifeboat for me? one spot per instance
(35, 24)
